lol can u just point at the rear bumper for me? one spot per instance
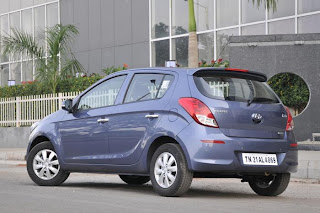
(227, 158)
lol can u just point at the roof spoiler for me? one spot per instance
(232, 72)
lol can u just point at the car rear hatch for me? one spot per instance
(241, 102)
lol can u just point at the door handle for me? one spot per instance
(152, 116)
(102, 120)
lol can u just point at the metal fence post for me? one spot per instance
(18, 111)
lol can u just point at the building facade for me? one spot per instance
(144, 33)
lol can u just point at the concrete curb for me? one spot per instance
(309, 146)
(12, 154)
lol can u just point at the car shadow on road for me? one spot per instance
(148, 190)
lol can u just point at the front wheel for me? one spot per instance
(169, 172)
(43, 166)
(135, 179)
(271, 185)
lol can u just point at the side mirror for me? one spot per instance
(67, 105)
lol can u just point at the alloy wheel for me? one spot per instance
(165, 170)
(45, 164)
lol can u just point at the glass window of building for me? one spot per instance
(15, 20)
(26, 24)
(282, 27)
(160, 53)
(180, 17)
(251, 12)
(204, 12)
(180, 50)
(284, 8)
(256, 29)
(4, 25)
(227, 13)
(160, 18)
(309, 24)
(206, 46)
(27, 71)
(31, 21)
(52, 15)
(39, 24)
(26, 21)
(4, 74)
(223, 37)
(15, 72)
(14, 25)
(305, 6)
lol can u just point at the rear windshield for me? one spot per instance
(234, 89)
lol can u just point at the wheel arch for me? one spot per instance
(164, 140)
(39, 139)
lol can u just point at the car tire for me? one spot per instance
(135, 179)
(275, 187)
(43, 166)
(173, 178)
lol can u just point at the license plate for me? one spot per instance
(259, 159)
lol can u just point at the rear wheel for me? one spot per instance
(135, 179)
(169, 172)
(43, 166)
(271, 185)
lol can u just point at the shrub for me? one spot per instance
(37, 88)
(291, 89)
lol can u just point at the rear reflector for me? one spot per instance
(294, 145)
(212, 141)
(238, 70)
(290, 123)
(199, 111)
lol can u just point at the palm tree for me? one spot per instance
(193, 40)
(47, 60)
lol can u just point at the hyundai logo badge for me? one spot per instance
(256, 118)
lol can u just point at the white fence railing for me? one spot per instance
(24, 111)
(219, 88)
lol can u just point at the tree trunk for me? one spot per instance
(193, 50)
(193, 39)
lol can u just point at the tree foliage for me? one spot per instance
(269, 4)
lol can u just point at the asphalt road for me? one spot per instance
(107, 193)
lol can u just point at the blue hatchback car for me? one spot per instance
(169, 125)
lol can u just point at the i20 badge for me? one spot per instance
(256, 118)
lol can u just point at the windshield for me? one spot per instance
(235, 89)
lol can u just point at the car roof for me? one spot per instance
(191, 71)
(187, 71)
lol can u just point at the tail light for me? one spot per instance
(199, 111)
(290, 123)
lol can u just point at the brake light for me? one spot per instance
(294, 145)
(290, 123)
(199, 111)
(238, 70)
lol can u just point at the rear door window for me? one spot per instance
(234, 89)
(148, 86)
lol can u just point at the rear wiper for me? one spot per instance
(250, 100)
